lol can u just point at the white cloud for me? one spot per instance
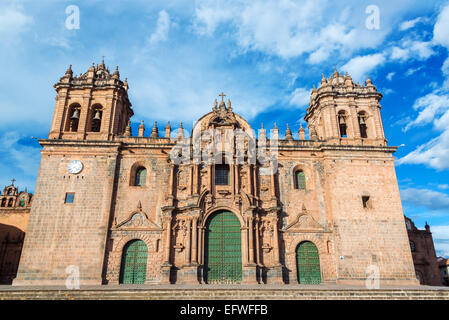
(431, 106)
(399, 53)
(291, 28)
(13, 22)
(441, 28)
(434, 107)
(390, 76)
(360, 66)
(434, 153)
(427, 198)
(440, 236)
(410, 23)
(300, 98)
(162, 28)
(412, 49)
(411, 71)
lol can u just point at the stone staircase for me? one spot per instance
(15, 293)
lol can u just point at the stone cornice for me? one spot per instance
(163, 143)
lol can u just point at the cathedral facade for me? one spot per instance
(219, 205)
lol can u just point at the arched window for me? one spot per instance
(10, 202)
(412, 246)
(4, 202)
(342, 123)
(362, 124)
(96, 116)
(300, 180)
(74, 117)
(221, 174)
(141, 175)
(9, 192)
(22, 202)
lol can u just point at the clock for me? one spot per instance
(75, 166)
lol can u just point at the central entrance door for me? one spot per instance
(308, 263)
(134, 263)
(223, 254)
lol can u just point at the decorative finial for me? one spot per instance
(368, 81)
(302, 132)
(69, 71)
(154, 131)
(116, 74)
(288, 133)
(335, 72)
(139, 206)
(323, 79)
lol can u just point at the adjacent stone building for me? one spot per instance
(222, 204)
(424, 256)
(443, 264)
(14, 213)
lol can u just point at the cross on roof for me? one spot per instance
(13, 180)
(222, 95)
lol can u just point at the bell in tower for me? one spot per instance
(345, 113)
(91, 106)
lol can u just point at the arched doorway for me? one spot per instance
(133, 268)
(308, 263)
(223, 249)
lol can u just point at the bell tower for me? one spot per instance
(91, 106)
(342, 112)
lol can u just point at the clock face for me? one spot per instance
(75, 166)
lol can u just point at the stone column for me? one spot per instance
(194, 241)
(274, 274)
(255, 179)
(273, 184)
(170, 182)
(237, 179)
(276, 241)
(166, 266)
(188, 252)
(244, 245)
(251, 240)
(249, 189)
(195, 179)
(249, 268)
(257, 242)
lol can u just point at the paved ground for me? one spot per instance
(217, 286)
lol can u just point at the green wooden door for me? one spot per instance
(308, 263)
(134, 262)
(223, 255)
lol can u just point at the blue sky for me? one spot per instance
(265, 55)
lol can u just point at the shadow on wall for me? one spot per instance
(11, 242)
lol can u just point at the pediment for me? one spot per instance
(138, 221)
(304, 222)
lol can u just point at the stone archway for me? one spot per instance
(222, 248)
